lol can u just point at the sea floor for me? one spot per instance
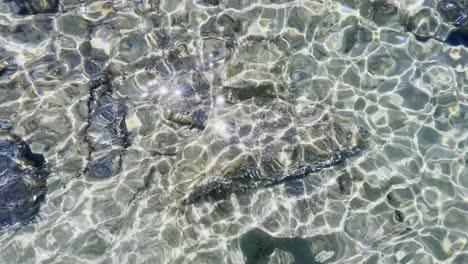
(168, 127)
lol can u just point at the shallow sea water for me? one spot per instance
(133, 103)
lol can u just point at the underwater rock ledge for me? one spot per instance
(219, 188)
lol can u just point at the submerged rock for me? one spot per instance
(180, 58)
(106, 134)
(457, 38)
(287, 142)
(451, 11)
(456, 14)
(32, 7)
(22, 183)
(32, 34)
(108, 126)
(252, 177)
(8, 67)
(259, 247)
(446, 22)
(199, 118)
(105, 166)
(210, 2)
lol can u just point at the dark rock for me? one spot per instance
(211, 2)
(251, 177)
(364, 133)
(32, 7)
(230, 25)
(106, 166)
(457, 38)
(157, 64)
(201, 85)
(31, 33)
(180, 58)
(188, 90)
(269, 167)
(8, 67)
(257, 246)
(92, 69)
(345, 183)
(162, 39)
(199, 118)
(245, 89)
(399, 216)
(22, 183)
(4, 124)
(106, 134)
(218, 189)
(451, 11)
(108, 121)
(295, 189)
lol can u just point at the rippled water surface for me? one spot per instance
(234, 131)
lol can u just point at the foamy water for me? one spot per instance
(135, 104)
